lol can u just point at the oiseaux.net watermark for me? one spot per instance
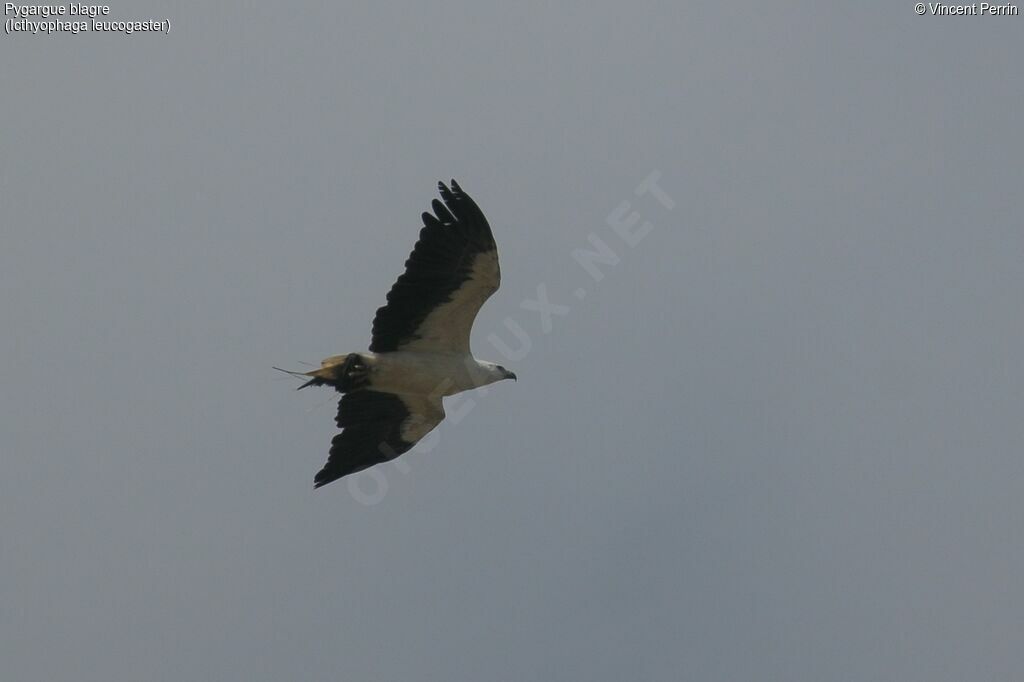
(626, 226)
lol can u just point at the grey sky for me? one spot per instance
(779, 440)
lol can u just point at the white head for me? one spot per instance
(489, 372)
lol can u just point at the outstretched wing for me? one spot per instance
(451, 272)
(377, 427)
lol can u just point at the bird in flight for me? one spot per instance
(419, 351)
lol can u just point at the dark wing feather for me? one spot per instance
(441, 270)
(372, 426)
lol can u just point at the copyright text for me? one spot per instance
(975, 9)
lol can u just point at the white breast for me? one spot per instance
(437, 374)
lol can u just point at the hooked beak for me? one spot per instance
(512, 376)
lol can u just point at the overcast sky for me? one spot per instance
(774, 432)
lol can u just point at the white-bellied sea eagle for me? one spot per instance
(419, 351)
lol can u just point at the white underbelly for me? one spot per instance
(438, 374)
